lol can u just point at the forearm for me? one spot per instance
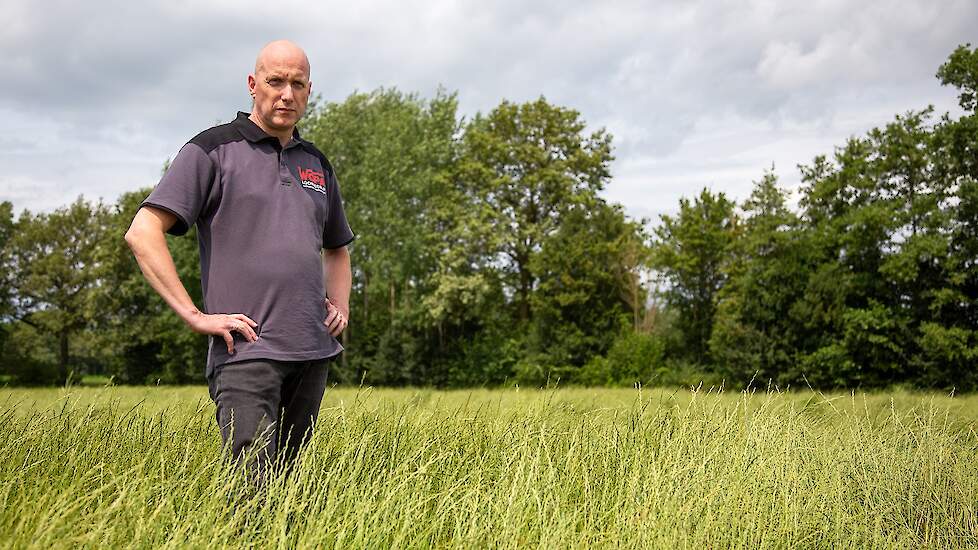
(148, 245)
(147, 240)
(338, 277)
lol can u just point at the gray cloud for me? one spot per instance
(696, 93)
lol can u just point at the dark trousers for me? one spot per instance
(267, 409)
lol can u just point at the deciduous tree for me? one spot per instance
(689, 252)
(57, 272)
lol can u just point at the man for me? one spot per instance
(275, 269)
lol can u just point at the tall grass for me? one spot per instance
(566, 468)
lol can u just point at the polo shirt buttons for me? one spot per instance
(283, 170)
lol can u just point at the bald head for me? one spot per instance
(281, 52)
(279, 88)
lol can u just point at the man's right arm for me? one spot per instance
(146, 238)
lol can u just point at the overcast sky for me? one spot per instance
(97, 95)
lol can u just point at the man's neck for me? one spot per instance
(283, 136)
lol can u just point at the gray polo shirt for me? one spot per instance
(263, 213)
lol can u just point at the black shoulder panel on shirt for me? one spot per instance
(322, 158)
(212, 138)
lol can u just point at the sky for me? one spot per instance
(98, 95)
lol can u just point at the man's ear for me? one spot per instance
(251, 84)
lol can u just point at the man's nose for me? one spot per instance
(287, 94)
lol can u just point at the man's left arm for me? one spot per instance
(338, 277)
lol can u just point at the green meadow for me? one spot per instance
(142, 467)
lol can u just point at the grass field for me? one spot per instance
(565, 468)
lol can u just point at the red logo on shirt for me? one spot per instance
(312, 176)
(312, 179)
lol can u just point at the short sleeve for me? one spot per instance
(186, 189)
(337, 231)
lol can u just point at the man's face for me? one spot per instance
(281, 90)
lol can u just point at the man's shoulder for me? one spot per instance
(212, 138)
(311, 148)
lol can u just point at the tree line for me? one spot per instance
(485, 255)
(871, 281)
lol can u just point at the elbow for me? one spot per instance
(135, 237)
(146, 231)
(131, 239)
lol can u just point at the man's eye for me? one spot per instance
(299, 85)
(274, 82)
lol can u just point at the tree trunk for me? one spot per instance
(63, 356)
(366, 293)
(525, 285)
(636, 308)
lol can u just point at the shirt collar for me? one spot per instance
(253, 133)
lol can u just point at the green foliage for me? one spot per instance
(884, 214)
(634, 358)
(56, 268)
(6, 280)
(149, 342)
(6, 276)
(584, 275)
(947, 356)
(28, 357)
(756, 330)
(689, 254)
(478, 245)
(961, 71)
(488, 359)
(526, 168)
(873, 284)
(394, 155)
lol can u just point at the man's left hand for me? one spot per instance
(336, 320)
